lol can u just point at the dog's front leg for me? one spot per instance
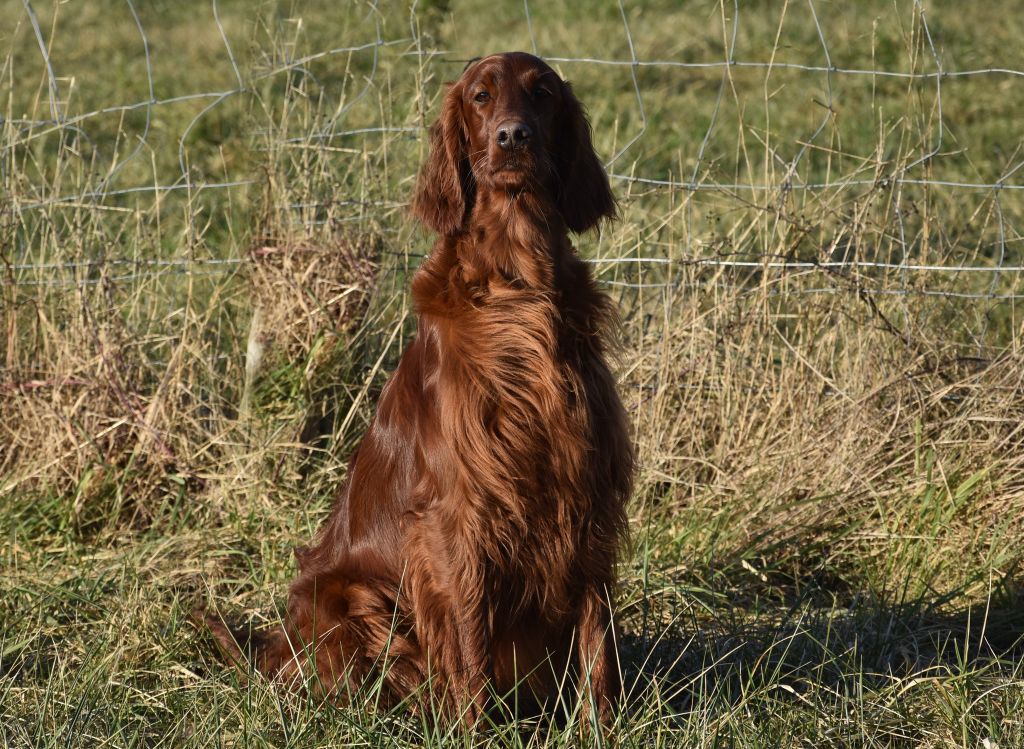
(599, 663)
(474, 648)
(448, 601)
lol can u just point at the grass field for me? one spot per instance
(204, 254)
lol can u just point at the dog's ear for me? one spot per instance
(584, 195)
(444, 186)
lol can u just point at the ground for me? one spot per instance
(828, 525)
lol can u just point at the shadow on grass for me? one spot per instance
(727, 650)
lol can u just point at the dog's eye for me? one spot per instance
(541, 92)
(481, 97)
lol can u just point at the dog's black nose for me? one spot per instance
(512, 135)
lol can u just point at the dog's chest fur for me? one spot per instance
(512, 412)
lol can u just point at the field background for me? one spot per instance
(204, 254)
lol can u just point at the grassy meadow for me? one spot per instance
(204, 258)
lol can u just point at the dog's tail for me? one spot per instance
(243, 645)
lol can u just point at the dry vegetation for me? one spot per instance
(829, 520)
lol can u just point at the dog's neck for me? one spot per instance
(516, 238)
(510, 242)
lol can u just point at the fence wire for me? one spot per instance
(106, 192)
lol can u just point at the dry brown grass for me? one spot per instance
(80, 413)
(305, 291)
(814, 436)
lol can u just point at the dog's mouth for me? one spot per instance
(514, 164)
(516, 171)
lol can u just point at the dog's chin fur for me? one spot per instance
(514, 174)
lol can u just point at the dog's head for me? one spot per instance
(510, 124)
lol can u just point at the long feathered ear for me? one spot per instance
(444, 185)
(584, 195)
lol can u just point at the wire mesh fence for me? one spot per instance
(205, 240)
(59, 167)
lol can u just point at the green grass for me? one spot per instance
(828, 526)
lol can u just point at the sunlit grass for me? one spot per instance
(829, 517)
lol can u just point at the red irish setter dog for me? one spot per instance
(473, 544)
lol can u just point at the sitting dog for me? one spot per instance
(473, 543)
